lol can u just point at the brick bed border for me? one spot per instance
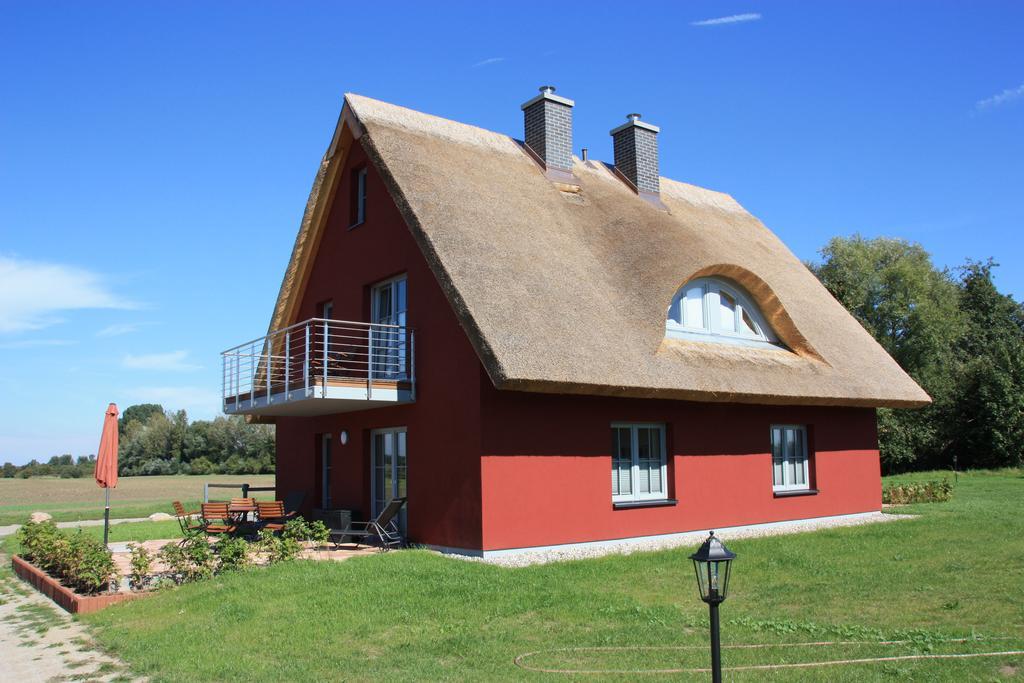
(64, 596)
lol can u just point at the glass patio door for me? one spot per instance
(389, 470)
(388, 307)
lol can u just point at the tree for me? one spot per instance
(987, 421)
(912, 309)
(140, 412)
(10, 469)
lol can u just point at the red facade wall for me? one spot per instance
(547, 467)
(493, 470)
(443, 425)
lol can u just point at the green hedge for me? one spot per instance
(935, 491)
(80, 561)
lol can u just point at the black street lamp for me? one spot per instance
(711, 562)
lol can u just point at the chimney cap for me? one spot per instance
(547, 92)
(633, 121)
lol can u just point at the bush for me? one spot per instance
(142, 565)
(232, 553)
(299, 530)
(934, 491)
(277, 549)
(191, 560)
(80, 562)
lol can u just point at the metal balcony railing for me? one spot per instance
(320, 358)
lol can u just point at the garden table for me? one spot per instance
(240, 513)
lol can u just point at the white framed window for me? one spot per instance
(790, 469)
(388, 307)
(713, 309)
(638, 462)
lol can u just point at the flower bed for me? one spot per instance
(79, 573)
(935, 491)
(62, 595)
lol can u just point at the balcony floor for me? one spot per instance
(337, 397)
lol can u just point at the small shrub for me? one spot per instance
(232, 553)
(277, 549)
(191, 560)
(935, 491)
(141, 562)
(300, 530)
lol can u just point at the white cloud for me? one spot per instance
(1007, 95)
(488, 61)
(34, 343)
(175, 361)
(731, 19)
(118, 329)
(31, 292)
(199, 402)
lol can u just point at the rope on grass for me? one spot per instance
(520, 660)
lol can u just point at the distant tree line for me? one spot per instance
(155, 441)
(955, 334)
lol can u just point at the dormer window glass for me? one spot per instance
(715, 309)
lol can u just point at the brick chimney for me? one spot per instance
(548, 125)
(636, 154)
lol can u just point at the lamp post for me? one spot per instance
(711, 562)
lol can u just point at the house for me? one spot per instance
(540, 349)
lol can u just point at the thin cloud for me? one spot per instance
(118, 329)
(172, 361)
(1008, 95)
(33, 292)
(731, 19)
(198, 402)
(488, 61)
(34, 343)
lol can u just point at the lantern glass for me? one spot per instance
(712, 579)
(712, 562)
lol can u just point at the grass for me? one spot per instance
(953, 572)
(71, 500)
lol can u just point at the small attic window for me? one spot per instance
(357, 202)
(714, 309)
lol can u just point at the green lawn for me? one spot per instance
(77, 499)
(953, 572)
(127, 531)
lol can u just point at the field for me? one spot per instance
(955, 571)
(77, 499)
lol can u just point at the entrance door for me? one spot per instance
(389, 470)
(388, 307)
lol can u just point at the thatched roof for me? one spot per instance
(567, 292)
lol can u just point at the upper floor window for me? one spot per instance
(713, 309)
(357, 213)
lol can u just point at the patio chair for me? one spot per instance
(217, 519)
(383, 527)
(186, 519)
(293, 501)
(271, 515)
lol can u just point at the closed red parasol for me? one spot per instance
(106, 463)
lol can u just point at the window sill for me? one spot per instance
(657, 503)
(795, 492)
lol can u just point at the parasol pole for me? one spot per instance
(106, 514)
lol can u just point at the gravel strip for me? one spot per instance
(691, 539)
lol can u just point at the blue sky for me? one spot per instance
(155, 157)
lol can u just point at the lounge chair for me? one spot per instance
(186, 519)
(383, 527)
(217, 519)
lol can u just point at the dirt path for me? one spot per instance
(39, 642)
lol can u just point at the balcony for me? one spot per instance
(318, 367)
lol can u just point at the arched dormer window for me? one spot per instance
(716, 310)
